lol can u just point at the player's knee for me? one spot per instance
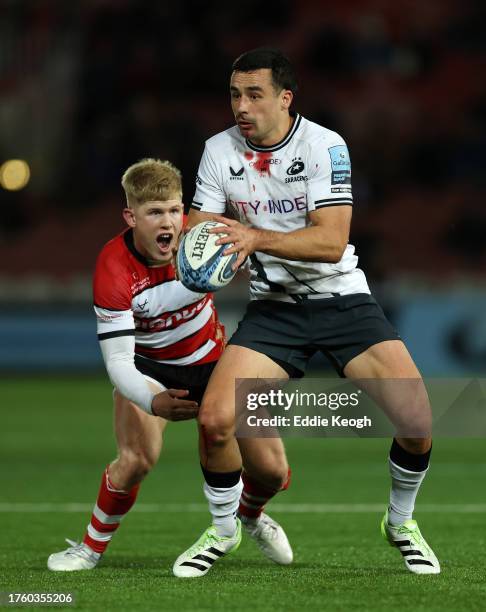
(216, 427)
(265, 461)
(215, 432)
(136, 465)
(275, 476)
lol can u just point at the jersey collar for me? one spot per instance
(285, 141)
(130, 244)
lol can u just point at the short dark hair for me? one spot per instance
(283, 75)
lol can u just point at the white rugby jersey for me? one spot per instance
(275, 188)
(170, 323)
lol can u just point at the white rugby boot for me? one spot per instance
(76, 557)
(270, 538)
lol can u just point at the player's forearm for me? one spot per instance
(307, 244)
(118, 357)
(196, 216)
(131, 384)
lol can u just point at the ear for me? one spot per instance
(286, 98)
(129, 217)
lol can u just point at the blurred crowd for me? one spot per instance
(89, 87)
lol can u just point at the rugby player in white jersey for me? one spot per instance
(160, 343)
(289, 182)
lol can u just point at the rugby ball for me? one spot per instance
(201, 265)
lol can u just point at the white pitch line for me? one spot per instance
(285, 508)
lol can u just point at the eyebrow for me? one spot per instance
(168, 202)
(158, 207)
(251, 88)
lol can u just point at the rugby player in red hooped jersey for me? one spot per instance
(160, 343)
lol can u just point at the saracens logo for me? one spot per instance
(296, 167)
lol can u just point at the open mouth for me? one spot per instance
(164, 241)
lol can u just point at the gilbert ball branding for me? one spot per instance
(201, 265)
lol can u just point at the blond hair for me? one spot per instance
(151, 180)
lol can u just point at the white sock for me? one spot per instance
(223, 505)
(404, 489)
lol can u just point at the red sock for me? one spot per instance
(254, 496)
(111, 506)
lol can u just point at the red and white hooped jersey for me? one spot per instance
(170, 323)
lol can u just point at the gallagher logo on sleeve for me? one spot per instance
(340, 165)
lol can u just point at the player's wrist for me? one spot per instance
(151, 408)
(262, 240)
(258, 240)
(152, 405)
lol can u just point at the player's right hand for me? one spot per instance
(170, 405)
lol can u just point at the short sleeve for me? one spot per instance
(112, 298)
(329, 181)
(209, 196)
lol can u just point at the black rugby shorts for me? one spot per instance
(341, 327)
(192, 377)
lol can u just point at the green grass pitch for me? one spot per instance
(56, 437)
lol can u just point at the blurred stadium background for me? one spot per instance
(89, 87)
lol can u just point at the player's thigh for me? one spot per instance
(389, 359)
(137, 432)
(388, 374)
(237, 362)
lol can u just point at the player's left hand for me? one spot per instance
(243, 239)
